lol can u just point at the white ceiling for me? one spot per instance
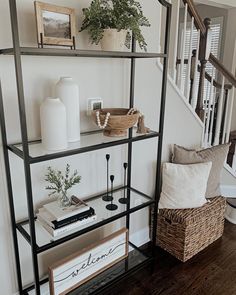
(227, 4)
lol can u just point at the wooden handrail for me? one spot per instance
(222, 69)
(199, 24)
(212, 59)
(216, 83)
(208, 77)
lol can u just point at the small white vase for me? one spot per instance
(113, 40)
(53, 124)
(68, 91)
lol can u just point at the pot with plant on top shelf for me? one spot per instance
(112, 22)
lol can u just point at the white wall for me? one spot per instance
(230, 52)
(94, 78)
(227, 178)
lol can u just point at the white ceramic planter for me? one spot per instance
(113, 40)
(53, 124)
(68, 91)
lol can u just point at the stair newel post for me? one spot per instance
(204, 52)
(225, 116)
(192, 73)
(219, 113)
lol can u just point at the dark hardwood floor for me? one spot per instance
(211, 272)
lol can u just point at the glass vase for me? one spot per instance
(63, 200)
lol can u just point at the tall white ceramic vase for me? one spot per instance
(53, 124)
(68, 91)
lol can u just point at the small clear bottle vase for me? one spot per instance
(63, 200)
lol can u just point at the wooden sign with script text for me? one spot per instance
(75, 270)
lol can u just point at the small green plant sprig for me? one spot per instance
(60, 183)
(115, 14)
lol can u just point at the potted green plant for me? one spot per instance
(113, 21)
(60, 184)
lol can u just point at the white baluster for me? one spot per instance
(231, 105)
(187, 81)
(212, 116)
(204, 145)
(195, 81)
(225, 120)
(219, 113)
(174, 38)
(178, 77)
(209, 108)
(182, 53)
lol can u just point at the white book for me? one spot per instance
(67, 228)
(46, 216)
(58, 213)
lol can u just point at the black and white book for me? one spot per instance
(44, 214)
(44, 218)
(59, 213)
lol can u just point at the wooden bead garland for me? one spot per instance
(105, 122)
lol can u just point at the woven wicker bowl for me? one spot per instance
(119, 122)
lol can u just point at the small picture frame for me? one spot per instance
(55, 25)
(73, 271)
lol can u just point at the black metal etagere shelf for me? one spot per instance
(34, 51)
(103, 218)
(32, 152)
(90, 141)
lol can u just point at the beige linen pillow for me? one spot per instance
(216, 155)
(184, 186)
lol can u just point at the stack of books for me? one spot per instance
(58, 221)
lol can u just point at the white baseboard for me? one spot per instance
(140, 237)
(228, 191)
(230, 170)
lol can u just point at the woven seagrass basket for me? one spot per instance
(119, 121)
(185, 232)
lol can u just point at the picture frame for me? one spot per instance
(56, 25)
(75, 270)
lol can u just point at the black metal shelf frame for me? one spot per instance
(80, 53)
(17, 52)
(52, 244)
(15, 148)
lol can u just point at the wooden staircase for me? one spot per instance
(215, 108)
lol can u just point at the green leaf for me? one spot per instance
(118, 14)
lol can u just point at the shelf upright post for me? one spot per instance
(10, 192)
(162, 117)
(130, 145)
(24, 135)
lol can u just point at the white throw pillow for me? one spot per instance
(184, 186)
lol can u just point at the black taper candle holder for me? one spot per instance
(124, 200)
(112, 207)
(107, 197)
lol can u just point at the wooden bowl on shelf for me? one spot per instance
(119, 121)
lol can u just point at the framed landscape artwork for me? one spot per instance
(55, 24)
(77, 269)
